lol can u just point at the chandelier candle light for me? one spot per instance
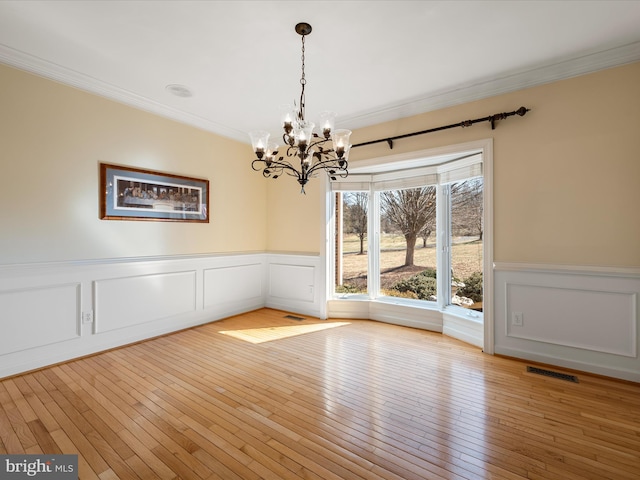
(313, 151)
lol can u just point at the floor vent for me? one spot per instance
(549, 373)
(293, 317)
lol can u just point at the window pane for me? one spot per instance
(407, 243)
(351, 242)
(466, 243)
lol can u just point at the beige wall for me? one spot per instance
(295, 219)
(52, 138)
(566, 175)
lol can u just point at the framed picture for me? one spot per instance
(134, 194)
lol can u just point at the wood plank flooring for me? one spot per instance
(319, 400)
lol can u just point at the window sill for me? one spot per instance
(464, 313)
(456, 322)
(453, 310)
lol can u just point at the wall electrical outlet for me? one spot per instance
(87, 317)
(517, 319)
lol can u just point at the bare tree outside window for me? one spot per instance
(409, 211)
(467, 204)
(467, 243)
(355, 215)
(352, 261)
(426, 231)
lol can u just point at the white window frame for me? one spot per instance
(387, 173)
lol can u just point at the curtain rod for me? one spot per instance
(466, 123)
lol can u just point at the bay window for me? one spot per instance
(412, 233)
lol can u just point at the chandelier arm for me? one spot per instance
(328, 164)
(318, 141)
(277, 166)
(294, 173)
(257, 161)
(274, 164)
(287, 139)
(294, 152)
(272, 171)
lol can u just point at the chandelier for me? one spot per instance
(313, 152)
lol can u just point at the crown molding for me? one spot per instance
(509, 82)
(66, 76)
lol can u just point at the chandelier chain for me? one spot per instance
(303, 82)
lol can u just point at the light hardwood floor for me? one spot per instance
(319, 400)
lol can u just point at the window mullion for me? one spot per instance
(373, 239)
(443, 244)
(337, 244)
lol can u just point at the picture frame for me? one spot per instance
(128, 193)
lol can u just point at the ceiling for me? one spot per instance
(369, 61)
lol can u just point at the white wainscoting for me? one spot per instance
(39, 315)
(58, 311)
(294, 283)
(231, 285)
(129, 301)
(576, 317)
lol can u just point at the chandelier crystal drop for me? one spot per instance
(328, 150)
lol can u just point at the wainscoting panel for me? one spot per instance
(291, 282)
(602, 321)
(575, 317)
(124, 302)
(37, 316)
(239, 283)
(294, 283)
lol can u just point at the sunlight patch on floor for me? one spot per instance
(268, 334)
